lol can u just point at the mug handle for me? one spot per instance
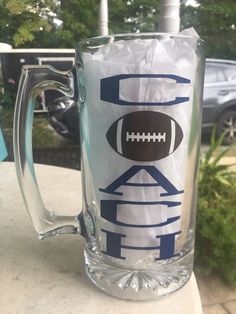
(34, 80)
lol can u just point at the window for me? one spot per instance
(214, 74)
(230, 73)
(210, 74)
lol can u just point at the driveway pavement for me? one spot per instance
(217, 297)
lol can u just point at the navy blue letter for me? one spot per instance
(109, 212)
(114, 246)
(110, 89)
(160, 179)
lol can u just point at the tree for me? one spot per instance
(133, 16)
(215, 21)
(22, 20)
(54, 23)
(79, 20)
(47, 23)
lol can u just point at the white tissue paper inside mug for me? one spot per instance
(167, 55)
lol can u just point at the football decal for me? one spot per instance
(145, 135)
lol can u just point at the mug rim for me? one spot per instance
(129, 36)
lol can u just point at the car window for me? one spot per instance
(230, 73)
(214, 74)
(220, 75)
(210, 75)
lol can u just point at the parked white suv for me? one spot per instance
(219, 101)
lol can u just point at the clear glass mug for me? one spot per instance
(139, 97)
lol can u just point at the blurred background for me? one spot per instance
(45, 32)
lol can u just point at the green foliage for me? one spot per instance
(32, 22)
(25, 23)
(216, 219)
(43, 136)
(22, 20)
(6, 118)
(215, 21)
(133, 16)
(80, 20)
(8, 97)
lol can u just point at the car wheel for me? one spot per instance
(227, 125)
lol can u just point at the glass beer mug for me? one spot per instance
(139, 97)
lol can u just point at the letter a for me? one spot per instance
(160, 179)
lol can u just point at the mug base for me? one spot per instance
(139, 285)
